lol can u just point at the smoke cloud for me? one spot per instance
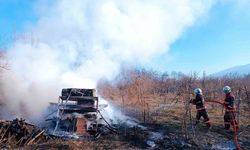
(75, 43)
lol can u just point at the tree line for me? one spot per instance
(142, 91)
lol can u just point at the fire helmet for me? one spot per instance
(198, 91)
(226, 89)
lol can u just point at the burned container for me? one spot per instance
(77, 111)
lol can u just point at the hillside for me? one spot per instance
(237, 70)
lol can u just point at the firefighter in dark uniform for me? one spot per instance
(200, 107)
(229, 116)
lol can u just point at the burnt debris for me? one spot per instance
(77, 113)
(18, 133)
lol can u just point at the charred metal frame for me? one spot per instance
(80, 101)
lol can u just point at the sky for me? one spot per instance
(14, 15)
(218, 40)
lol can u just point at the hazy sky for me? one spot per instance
(218, 40)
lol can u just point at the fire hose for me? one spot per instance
(234, 125)
(112, 129)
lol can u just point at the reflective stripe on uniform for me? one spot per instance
(230, 110)
(208, 121)
(198, 109)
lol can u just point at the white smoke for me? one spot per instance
(114, 115)
(74, 43)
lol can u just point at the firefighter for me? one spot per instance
(200, 107)
(229, 116)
